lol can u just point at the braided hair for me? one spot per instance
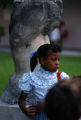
(42, 52)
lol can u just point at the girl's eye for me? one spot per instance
(53, 59)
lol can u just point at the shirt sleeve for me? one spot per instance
(64, 76)
(24, 83)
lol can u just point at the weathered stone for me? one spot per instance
(11, 112)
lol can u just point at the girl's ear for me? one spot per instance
(42, 61)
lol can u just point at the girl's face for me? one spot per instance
(51, 62)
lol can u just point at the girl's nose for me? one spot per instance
(57, 62)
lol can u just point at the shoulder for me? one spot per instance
(35, 74)
(28, 75)
(25, 76)
(64, 75)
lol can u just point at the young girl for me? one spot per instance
(40, 81)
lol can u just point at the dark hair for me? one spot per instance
(42, 52)
(62, 23)
(77, 81)
(62, 103)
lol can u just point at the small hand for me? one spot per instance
(39, 106)
(30, 111)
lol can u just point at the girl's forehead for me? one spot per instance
(51, 53)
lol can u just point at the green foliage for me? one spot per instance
(71, 65)
(2, 30)
(5, 3)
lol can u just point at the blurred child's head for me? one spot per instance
(74, 83)
(48, 56)
(62, 103)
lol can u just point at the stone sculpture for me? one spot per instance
(30, 20)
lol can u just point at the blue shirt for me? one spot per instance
(39, 82)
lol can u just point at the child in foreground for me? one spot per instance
(40, 81)
(63, 101)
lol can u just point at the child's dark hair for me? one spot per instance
(62, 103)
(42, 52)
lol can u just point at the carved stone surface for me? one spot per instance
(31, 20)
(11, 112)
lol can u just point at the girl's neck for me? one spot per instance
(42, 67)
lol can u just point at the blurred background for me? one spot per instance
(72, 18)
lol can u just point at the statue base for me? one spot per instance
(11, 112)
